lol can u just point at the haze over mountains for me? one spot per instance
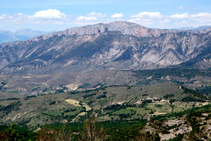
(114, 46)
(20, 35)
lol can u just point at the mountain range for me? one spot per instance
(114, 46)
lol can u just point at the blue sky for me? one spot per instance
(53, 15)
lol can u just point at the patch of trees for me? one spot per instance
(12, 99)
(167, 96)
(11, 134)
(144, 94)
(206, 90)
(101, 96)
(90, 130)
(28, 97)
(175, 72)
(195, 93)
(89, 95)
(11, 107)
(52, 102)
(112, 107)
(192, 99)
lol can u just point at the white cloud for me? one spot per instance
(185, 22)
(20, 14)
(202, 17)
(148, 15)
(164, 21)
(95, 14)
(49, 14)
(3, 16)
(143, 22)
(117, 15)
(84, 18)
(55, 18)
(181, 7)
(199, 15)
(180, 16)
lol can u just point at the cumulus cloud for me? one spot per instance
(49, 14)
(180, 16)
(117, 15)
(148, 15)
(95, 14)
(84, 18)
(207, 15)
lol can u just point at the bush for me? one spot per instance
(52, 102)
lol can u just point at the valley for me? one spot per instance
(108, 103)
(141, 82)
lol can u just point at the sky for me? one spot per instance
(55, 15)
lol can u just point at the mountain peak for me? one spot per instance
(126, 28)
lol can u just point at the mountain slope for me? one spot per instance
(202, 61)
(118, 46)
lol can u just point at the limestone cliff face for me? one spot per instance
(113, 46)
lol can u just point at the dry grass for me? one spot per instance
(73, 102)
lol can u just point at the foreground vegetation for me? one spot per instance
(197, 121)
(153, 112)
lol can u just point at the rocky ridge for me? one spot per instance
(125, 28)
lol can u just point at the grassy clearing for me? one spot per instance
(87, 107)
(73, 102)
(14, 92)
(164, 108)
(82, 114)
(140, 111)
(72, 87)
(123, 111)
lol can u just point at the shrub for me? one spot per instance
(52, 102)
